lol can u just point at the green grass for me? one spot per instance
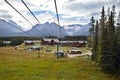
(25, 65)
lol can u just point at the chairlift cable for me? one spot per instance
(60, 34)
(19, 29)
(57, 54)
(34, 15)
(18, 12)
(22, 15)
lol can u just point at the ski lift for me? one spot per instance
(60, 53)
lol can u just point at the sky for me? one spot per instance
(70, 11)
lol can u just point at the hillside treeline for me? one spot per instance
(105, 41)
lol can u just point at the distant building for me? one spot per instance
(29, 42)
(7, 43)
(49, 41)
(74, 43)
(63, 43)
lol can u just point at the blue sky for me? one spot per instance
(70, 11)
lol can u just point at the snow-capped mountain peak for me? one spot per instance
(77, 29)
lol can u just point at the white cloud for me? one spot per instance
(71, 11)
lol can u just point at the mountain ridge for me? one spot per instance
(48, 29)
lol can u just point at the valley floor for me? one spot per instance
(25, 65)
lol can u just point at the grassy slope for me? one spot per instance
(22, 65)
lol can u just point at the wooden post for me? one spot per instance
(38, 53)
(57, 52)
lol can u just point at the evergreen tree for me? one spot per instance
(118, 25)
(92, 24)
(91, 31)
(106, 46)
(95, 43)
(107, 50)
(15, 42)
(110, 53)
(102, 36)
(118, 42)
(108, 14)
(113, 11)
(1, 43)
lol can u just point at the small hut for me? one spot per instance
(29, 42)
(7, 43)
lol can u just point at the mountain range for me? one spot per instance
(11, 28)
(77, 29)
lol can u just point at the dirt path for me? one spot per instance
(88, 53)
